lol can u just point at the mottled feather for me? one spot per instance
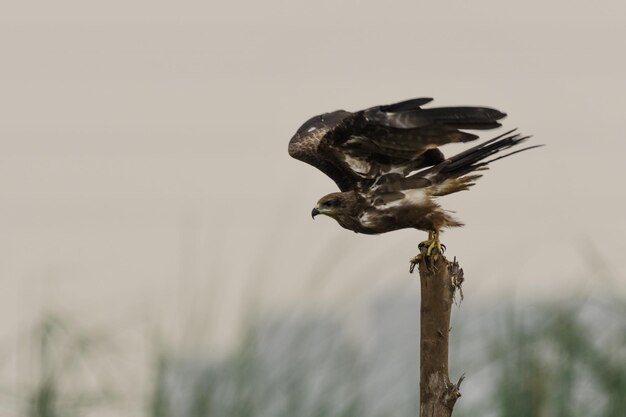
(388, 166)
(354, 149)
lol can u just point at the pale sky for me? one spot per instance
(144, 172)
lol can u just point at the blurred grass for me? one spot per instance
(564, 359)
(63, 359)
(558, 365)
(552, 359)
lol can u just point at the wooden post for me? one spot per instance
(439, 280)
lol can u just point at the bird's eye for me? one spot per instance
(330, 203)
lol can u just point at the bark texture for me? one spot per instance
(439, 280)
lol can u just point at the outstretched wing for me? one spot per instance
(355, 149)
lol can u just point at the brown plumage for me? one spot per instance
(388, 166)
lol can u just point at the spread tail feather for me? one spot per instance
(452, 185)
(475, 158)
(451, 175)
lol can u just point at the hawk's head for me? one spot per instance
(335, 205)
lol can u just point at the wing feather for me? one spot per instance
(357, 149)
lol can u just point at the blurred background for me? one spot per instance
(157, 252)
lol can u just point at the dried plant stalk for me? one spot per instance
(439, 279)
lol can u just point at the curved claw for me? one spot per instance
(432, 245)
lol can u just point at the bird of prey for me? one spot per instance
(388, 166)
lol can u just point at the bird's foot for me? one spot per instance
(429, 250)
(432, 245)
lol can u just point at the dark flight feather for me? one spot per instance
(473, 159)
(354, 149)
(405, 105)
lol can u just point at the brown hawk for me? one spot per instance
(388, 166)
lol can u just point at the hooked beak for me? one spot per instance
(314, 213)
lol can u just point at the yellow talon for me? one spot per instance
(432, 243)
(428, 251)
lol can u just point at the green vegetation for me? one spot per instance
(548, 360)
(62, 366)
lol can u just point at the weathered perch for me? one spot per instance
(439, 280)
